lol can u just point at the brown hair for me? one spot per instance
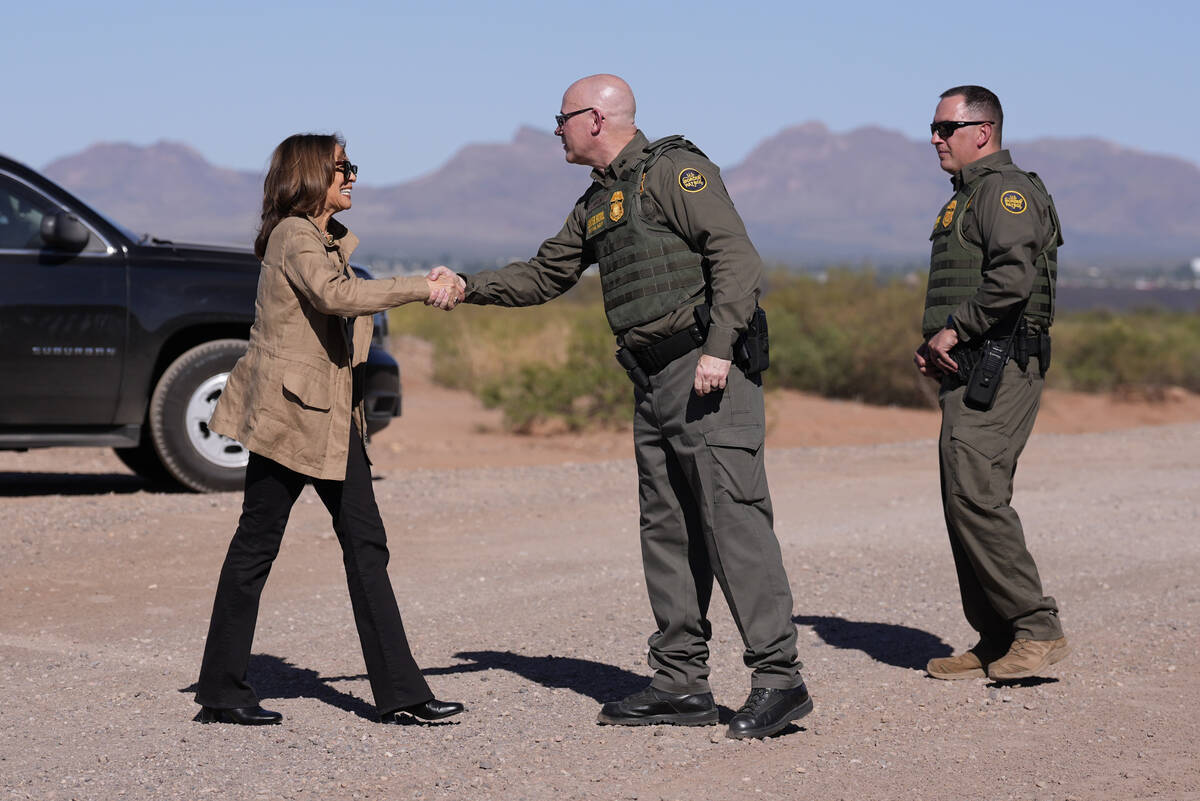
(982, 102)
(299, 176)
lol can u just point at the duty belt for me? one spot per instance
(654, 358)
(1026, 346)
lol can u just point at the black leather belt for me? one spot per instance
(654, 358)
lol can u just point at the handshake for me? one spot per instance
(446, 288)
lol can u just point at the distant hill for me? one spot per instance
(167, 189)
(809, 196)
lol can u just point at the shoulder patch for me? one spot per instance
(1013, 201)
(692, 180)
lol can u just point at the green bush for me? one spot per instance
(1102, 351)
(846, 334)
(587, 389)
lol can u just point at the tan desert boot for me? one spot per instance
(1028, 658)
(970, 664)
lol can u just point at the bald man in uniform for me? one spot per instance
(680, 281)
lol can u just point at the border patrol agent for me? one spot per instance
(988, 310)
(680, 282)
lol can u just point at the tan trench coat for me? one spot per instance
(289, 397)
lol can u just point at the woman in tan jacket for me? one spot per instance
(294, 400)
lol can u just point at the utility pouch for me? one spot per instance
(633, 369)
(751, 352)
(1020, 348)
(1044, 353)
(985, 378)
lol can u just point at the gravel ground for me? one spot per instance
(524, 598)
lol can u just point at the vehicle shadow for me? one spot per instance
(23, 485)
(901, 646)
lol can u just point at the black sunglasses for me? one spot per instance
(346, 169)
(561, 119)
(946, 128)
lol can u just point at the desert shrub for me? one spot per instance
(1150, 349)
(846, 334)
(548, 362)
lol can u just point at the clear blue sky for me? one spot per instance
(409, 83)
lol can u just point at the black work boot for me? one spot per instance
(766, 711)
(651, 705)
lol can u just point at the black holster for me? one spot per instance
(751, 350)
(635, 371)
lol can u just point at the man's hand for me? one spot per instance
(923, 359)
(446, 288)
(938, 351)
(711, 373)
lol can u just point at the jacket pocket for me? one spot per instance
(308, 385)
(738, 472)
(980, 465)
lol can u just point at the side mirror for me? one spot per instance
(64, 231)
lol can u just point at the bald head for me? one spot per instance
(595, 139)
(608, 93)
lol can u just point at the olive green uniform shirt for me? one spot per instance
(704, 218)
(1011, 242)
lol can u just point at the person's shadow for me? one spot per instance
(901, 646)
(596, 680)
(277, 678)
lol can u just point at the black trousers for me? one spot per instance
(271, 490)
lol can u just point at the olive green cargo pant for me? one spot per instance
(705, 513)
(1001, 590)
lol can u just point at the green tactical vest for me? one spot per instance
(646, 270)
(956, 265)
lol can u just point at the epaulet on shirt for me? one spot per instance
(690, 180)
(660, 146)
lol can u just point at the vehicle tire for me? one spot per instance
(143, 461)
(180, 409)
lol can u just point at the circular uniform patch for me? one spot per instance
(691, 180)
(1013, 202)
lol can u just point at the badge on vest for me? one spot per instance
(691, 180)
(616, 206)
(948, 215)
(1013, 202)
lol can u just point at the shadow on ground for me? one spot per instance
(901, 646)
(22, 485)
(273, 677)
(1032, 681)
(596, 680)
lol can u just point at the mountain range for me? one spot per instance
(809, 197)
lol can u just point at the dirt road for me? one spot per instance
(522, 590)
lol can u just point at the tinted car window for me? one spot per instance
(21, 213)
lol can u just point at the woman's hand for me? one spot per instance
(446, 288)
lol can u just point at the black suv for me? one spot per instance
(113, 339)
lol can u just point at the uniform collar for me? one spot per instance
(973, 171)
(628, 156)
